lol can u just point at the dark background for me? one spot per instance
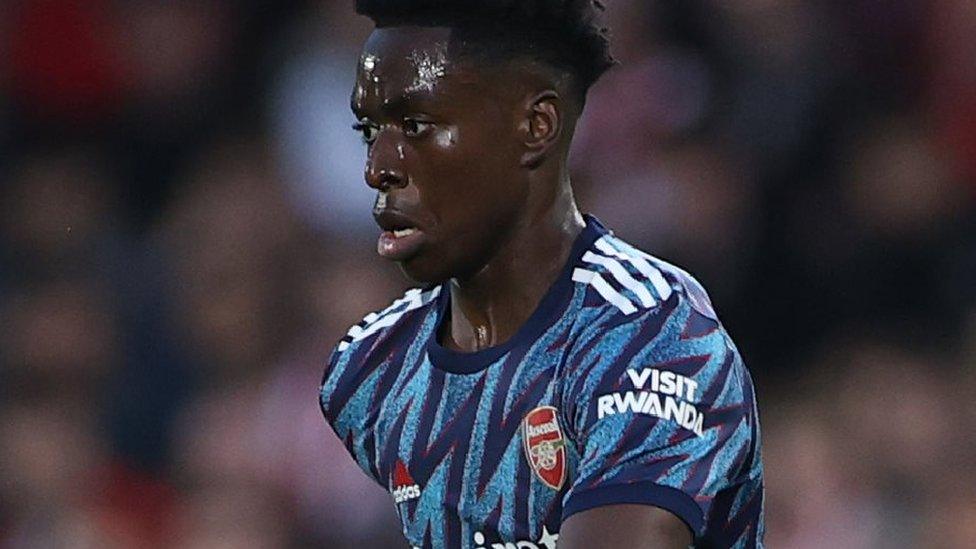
(184, 233)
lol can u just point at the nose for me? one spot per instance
(384, 165)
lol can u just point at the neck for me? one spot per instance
(489, 307)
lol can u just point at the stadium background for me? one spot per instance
(184, 233)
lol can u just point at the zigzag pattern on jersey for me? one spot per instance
(350, 395)
(484, 475)
(685, 341)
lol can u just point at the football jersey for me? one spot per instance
(621, 388)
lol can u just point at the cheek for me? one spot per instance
(460, 175)
(445, 139)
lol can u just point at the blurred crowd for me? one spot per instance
(184, 234)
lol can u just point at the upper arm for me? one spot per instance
(633, 526)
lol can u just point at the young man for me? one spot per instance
(549, 381)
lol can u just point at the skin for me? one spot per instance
(630, 526)
(475, 157)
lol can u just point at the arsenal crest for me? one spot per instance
(544, 446)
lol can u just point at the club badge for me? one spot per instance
(545, 446)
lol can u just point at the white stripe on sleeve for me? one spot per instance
(652, 273)
(605, 290)
(623, 277)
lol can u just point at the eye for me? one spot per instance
(415, 128)
(368, 130)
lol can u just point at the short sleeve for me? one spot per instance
(661, 410)
(345, 395)
(328, 384)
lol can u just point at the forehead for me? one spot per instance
(412, 65)
(399, 55)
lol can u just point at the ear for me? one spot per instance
(541, 126)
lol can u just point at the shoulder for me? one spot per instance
(377, 323)
(396, 320)
(643, 318)
(624, 283)
(362, 355)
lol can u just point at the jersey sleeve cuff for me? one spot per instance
(670, 499)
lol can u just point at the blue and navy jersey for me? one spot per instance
(621, 388)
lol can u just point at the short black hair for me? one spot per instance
(569, 35)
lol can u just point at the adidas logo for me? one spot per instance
(403, 486)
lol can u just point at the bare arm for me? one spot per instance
(631, 526)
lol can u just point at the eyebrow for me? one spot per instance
(397, 103)
(400, 101)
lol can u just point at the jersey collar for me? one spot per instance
(548, 311)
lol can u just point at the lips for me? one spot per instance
(402, 237)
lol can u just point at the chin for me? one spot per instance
(425, 270)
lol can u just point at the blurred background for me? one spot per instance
(185, 233)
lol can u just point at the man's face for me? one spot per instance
(443, 152)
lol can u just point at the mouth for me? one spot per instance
(404, 232)
(402, 237)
